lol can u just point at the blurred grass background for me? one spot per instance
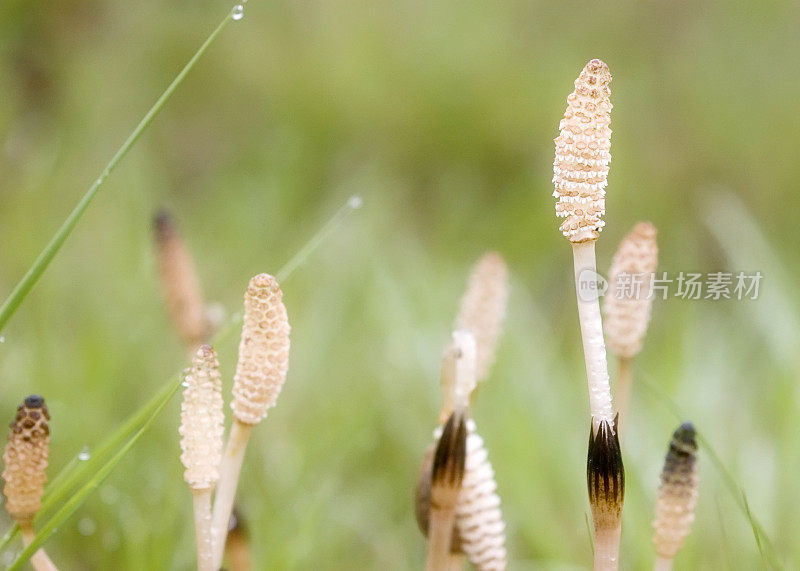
(441, 116)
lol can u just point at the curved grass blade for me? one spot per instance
(73, 474)
(752, 523)
(33, 274)
(764, 543)
(353, 203)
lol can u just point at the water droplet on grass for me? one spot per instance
(2, 338)
(84, 455)
(355, 202)
(238, 12)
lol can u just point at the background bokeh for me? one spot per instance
(440, 115)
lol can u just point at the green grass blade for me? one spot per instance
(353, 203)
(752, 523)
(85, 491)
(73, 474)
(765, 545)
(9, 536)
(33, 274)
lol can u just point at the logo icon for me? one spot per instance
(591, 285)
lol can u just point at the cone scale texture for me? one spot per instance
(583, 154)
(263, 351)
(629, 300)
(25, 460)
(202, 420)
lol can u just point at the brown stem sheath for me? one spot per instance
(446, 478)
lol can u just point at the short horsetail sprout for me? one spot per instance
(483, 308)
(179, 282)
(580, 172)
(25, 461)
(479, 528)
(478, 531)
(628, 303)
(447, 474)
(202, 426)
(677, 496)
(260, 374)
(458, 382)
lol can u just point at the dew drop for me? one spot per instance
(238, 12)
(84, 455)
(355, 202)
(2, 338)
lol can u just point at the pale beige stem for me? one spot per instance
(623, 390)
(606, 548)
(226, 488)
(663, 564)
(202, 529)
(440, 536)
(455, 562)
(594, 347)
(40, 561)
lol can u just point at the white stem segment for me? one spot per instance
(226, 489)
(606, 549)
(594, 347)
(39, 560)
(202, 529)
(663, 564)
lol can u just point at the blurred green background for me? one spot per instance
(440, 115)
